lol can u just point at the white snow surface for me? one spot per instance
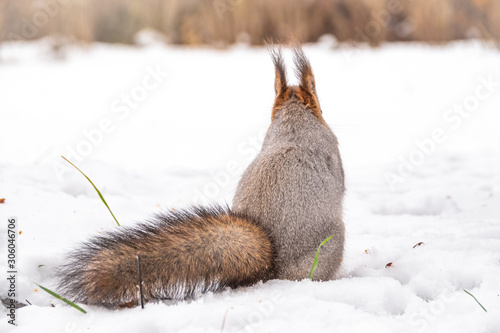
(187, 135)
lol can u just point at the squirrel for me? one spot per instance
(287, 202)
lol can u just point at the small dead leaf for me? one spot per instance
(35, 290)
(20, 232)
(418, 244)
(2, 200)
(388, 265)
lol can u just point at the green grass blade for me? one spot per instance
(62, 299)
(475, 300)
(315, 262)
(98, 192)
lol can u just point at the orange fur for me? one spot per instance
(306, 97)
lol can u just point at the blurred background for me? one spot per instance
(220, 23)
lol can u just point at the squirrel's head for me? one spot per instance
(304, 93)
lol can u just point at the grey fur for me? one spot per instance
(295, 187)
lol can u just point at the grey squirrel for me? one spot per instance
(287, 202)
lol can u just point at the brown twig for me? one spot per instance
(140, 279)
(224, 321)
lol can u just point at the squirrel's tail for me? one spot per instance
(182, 254)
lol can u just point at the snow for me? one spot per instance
(162, 127)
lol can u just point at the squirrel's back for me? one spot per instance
(295, 186)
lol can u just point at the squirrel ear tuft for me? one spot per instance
(303, 70)
(280, 83)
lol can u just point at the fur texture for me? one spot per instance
(183, 254)
(295, 186)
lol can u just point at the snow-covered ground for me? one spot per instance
(162, 127)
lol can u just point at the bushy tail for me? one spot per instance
(182, 254)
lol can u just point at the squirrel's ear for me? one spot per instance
(307, 86)
(304, 72)
(280, 83)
